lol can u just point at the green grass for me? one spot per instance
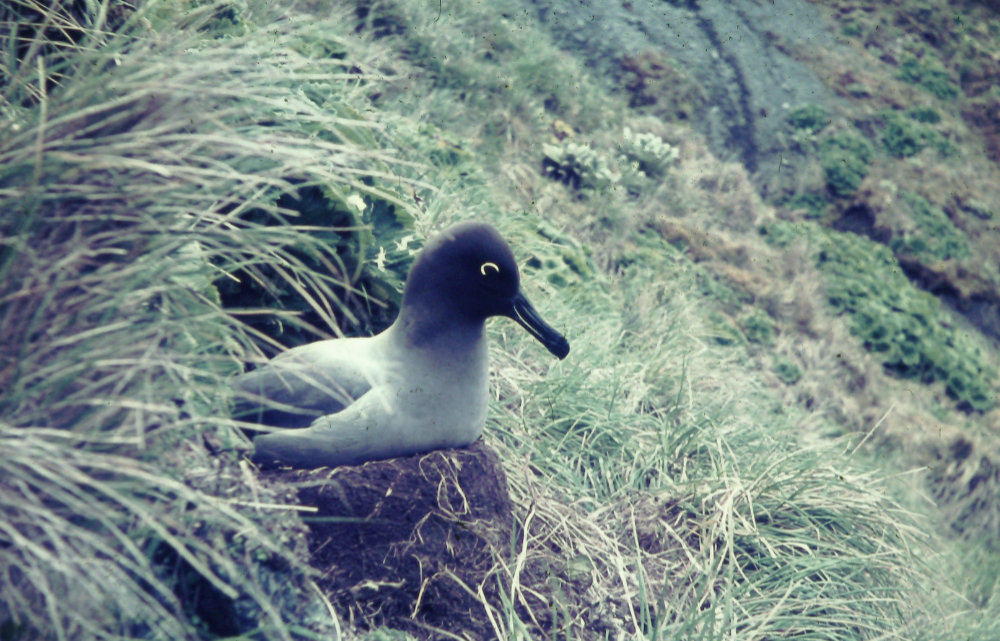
(929, 74)
(139, 169)
(811, 118)
(931, 236)
(593, 452)
(904, 137)
(697, 479)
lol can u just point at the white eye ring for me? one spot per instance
(493, 266)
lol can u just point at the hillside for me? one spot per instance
(769, 231)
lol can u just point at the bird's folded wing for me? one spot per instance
(365, 430)
(301, 385)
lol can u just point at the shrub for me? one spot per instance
(932, 235)
(844, 157)
(642, 158)
(647, 154)
(813, 202)
(851, 29)
(786, 370)
(904, 137)
(924, 114)
(929, 74)
(577, 166)
(562, 261)
(903, 325)
(758, 327)
(811, 118)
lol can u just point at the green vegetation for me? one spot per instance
(578, 166)
(928, 72)
(584, 434)
(811, 118)
(904, 326)
(903, 137)
(931, 235)
(813, 202)
(646, 155)
(787, 370)
(924, 114)
(641, 161)
(851, 29)
(128, 195)
(844, 157)
(194, 187)
(758, 327)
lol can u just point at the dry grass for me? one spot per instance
(128, 172)
(660, 489)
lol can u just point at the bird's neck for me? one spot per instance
(433, 328)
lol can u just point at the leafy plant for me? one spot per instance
(642, 158)
(903, 137)
(844, 157)
(929, 74)
(786, 370)
(647, 155)
(924, 114)
(810, 118)
(813, 202)
(758, 327)
(932, 235)
(905, 326)
(562, 262)
(577, 166)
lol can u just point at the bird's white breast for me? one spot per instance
(440, 391)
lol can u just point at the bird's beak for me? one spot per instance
(524, 313)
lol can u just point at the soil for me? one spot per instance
(409, 543)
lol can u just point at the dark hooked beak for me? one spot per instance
(523, 312)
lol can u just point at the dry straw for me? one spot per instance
(134, 146)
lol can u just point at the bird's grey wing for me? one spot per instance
(367, 430)
(300, 385)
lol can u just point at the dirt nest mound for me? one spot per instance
(409, 543)
(434, 545)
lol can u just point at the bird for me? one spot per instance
(420, 385)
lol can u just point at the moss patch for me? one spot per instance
(904, 326)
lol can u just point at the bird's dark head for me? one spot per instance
(466, 274)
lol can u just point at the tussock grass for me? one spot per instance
(669, 496)
(131, 161)
(662, 492)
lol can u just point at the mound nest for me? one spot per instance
(409, 543)
(433, 545)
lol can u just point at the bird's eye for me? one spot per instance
(485, 267)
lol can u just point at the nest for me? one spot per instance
(433, 545)
(410, 543)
